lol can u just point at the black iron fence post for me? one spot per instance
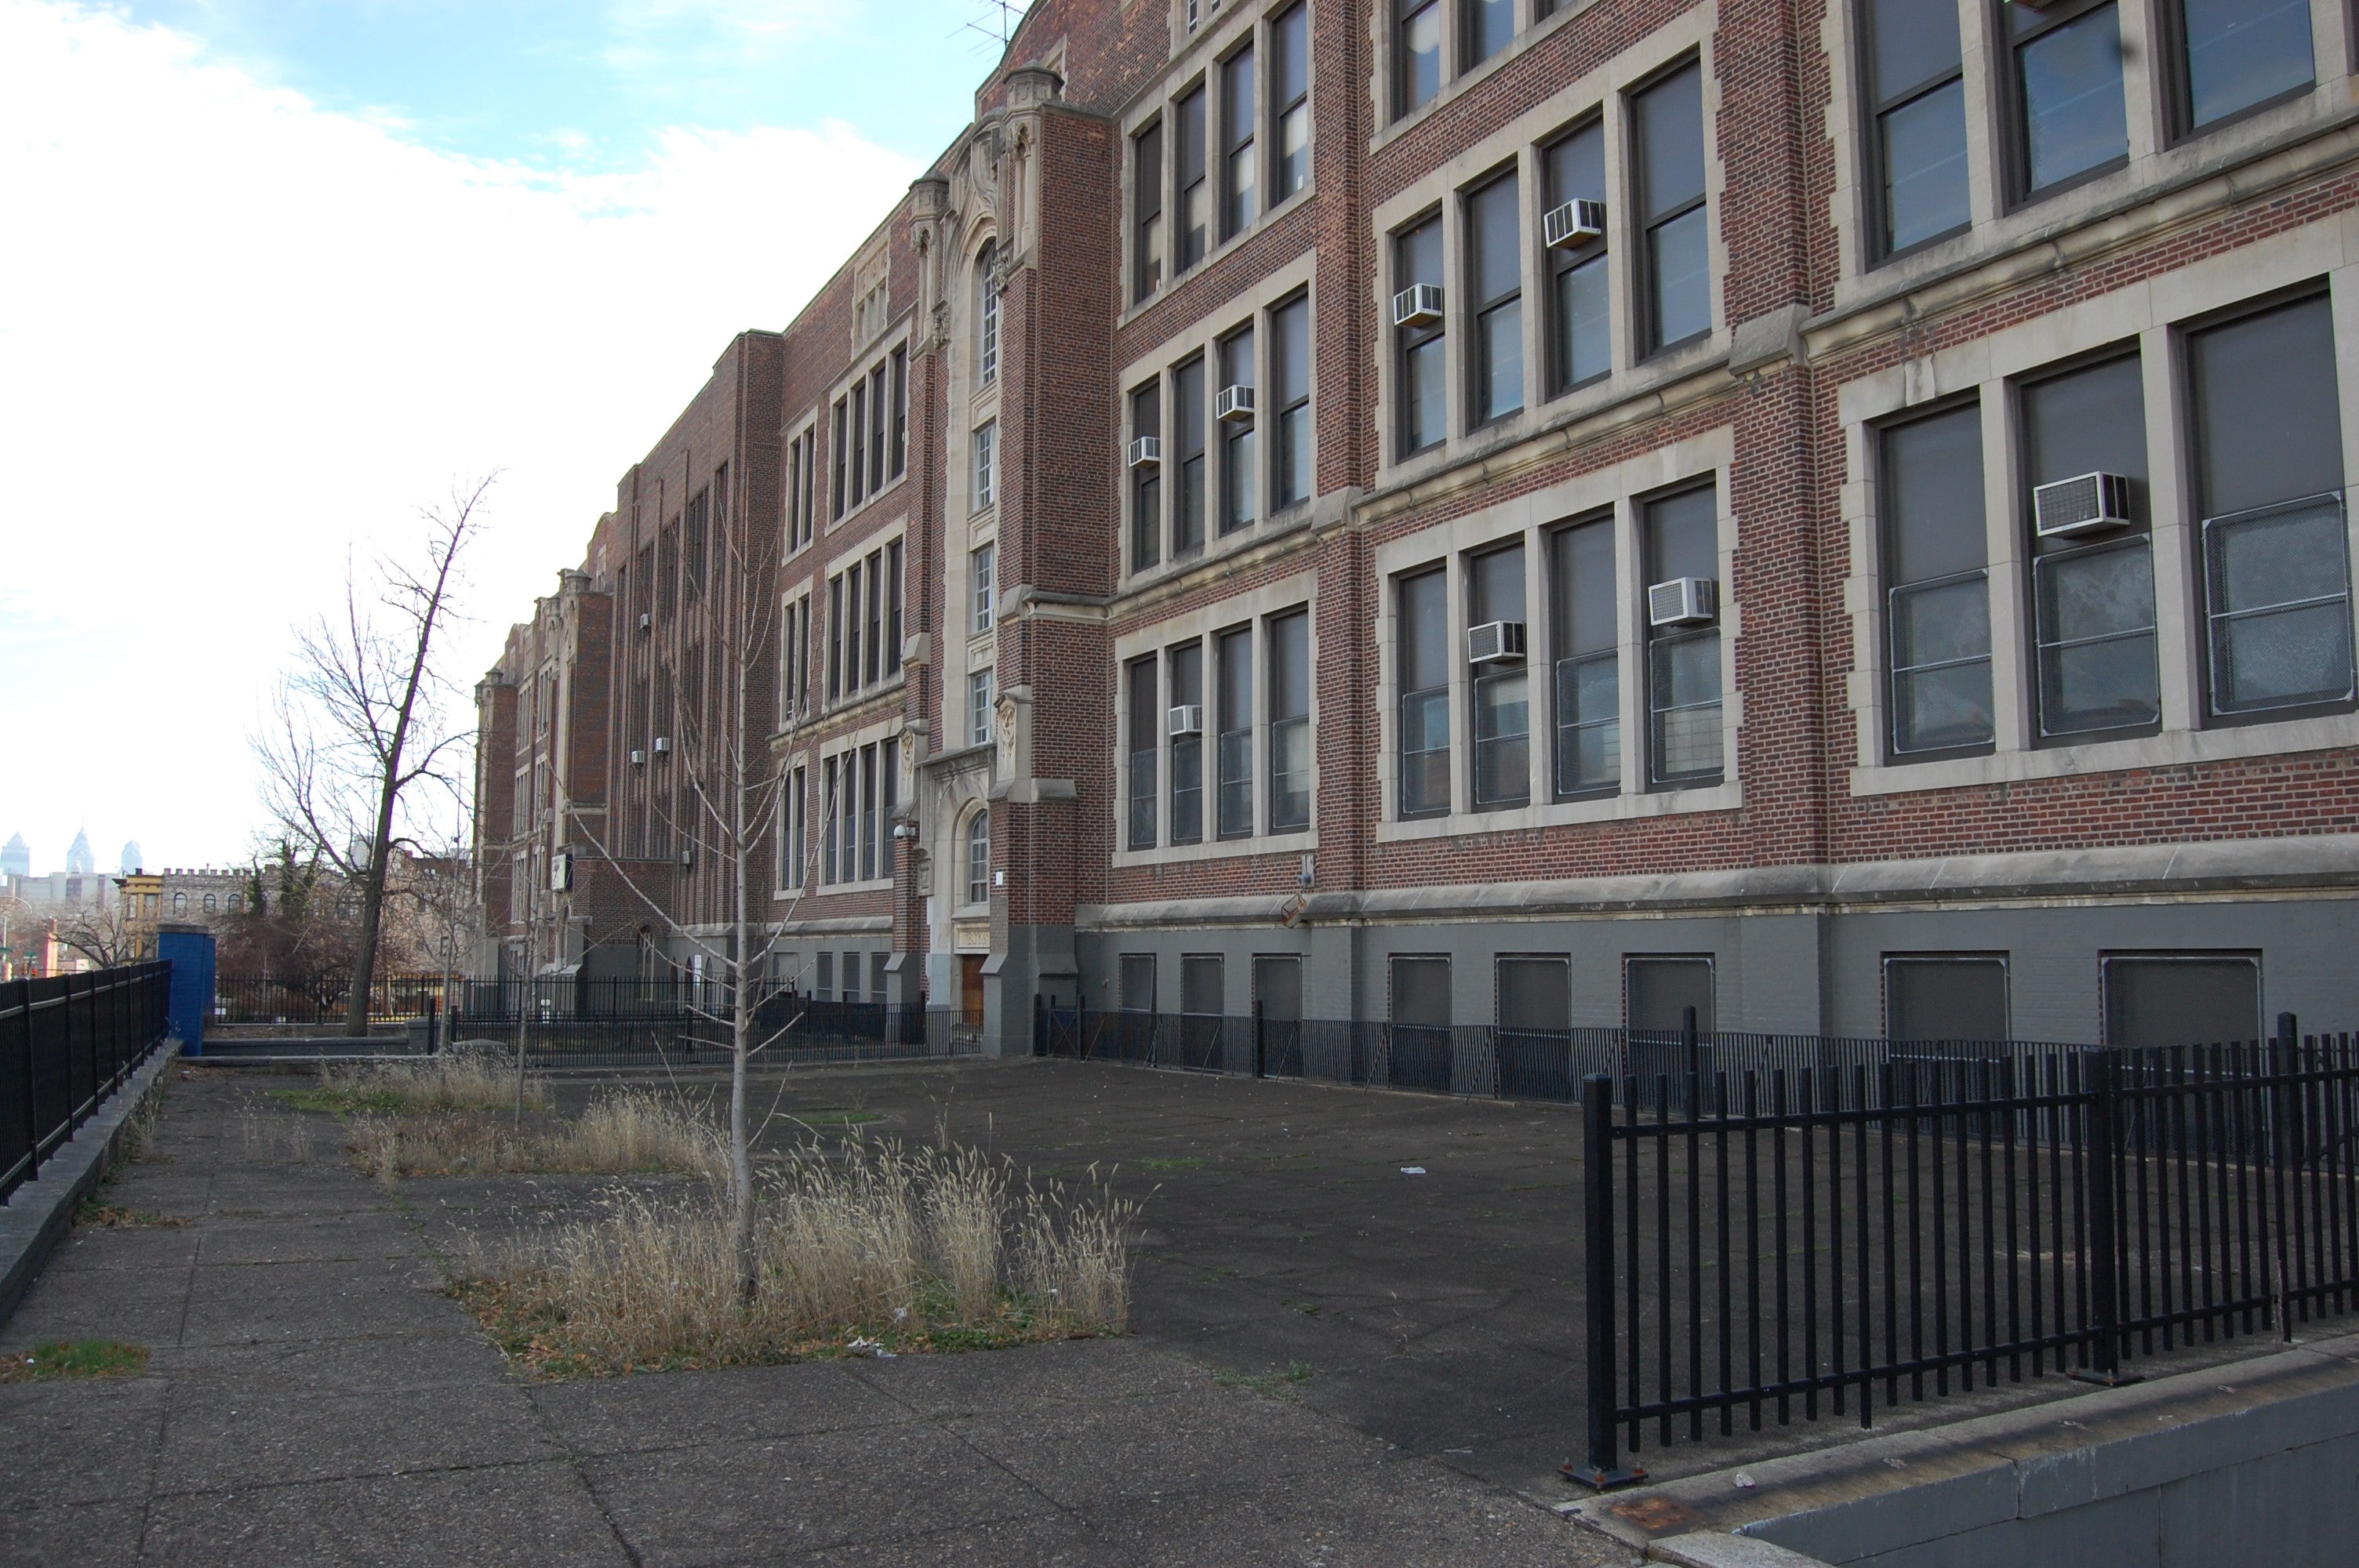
(1603, 1468)
(1261, 1058)
(2286, 1149)
(2105, 1262)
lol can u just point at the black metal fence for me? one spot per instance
(325, 1003)
(1764, 1244)
(691, 1023)
(66, 1044)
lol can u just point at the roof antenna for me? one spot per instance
(995, 22)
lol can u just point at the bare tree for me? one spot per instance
(102, 932)
(364, 721)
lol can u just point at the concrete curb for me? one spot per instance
(38, 1214)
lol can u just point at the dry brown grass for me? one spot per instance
(859, 1248)
(624, 1131)
(464, 1077)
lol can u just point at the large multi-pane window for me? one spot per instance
(1936, 582)
(1490, 27)
(854, 827)
(802, 468)
(1497, 682)
(1587, 658)
(986, 314)
(2267, 440)
(1424, 345)
(1423, 606)
(1916, 109)
(1186, 681)
(1290, 396)
(871, 426)
(1289, 103)
(1495, 269)
(1195, 189)
(1146, 478)
(864, 622)
(2092, 590)
(2234, 55)
(986, 466)
(2069, 118)
(982, 573)
(1417, 54)
(1581, 297)
(1289, 721)
(1238, 481)
(1669, 180)
(1146, 211)
(1188, 434)
(1683, 702)
(1238, 158)
(1146, 718)
(1233, 660)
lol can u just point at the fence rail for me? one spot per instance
(1770, 1243)
(66, 1044)
(396, 998)
(694, 1028)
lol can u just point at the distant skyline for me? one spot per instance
(317, 262)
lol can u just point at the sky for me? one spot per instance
(280, 272)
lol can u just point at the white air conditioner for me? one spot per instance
(1145, 452)
(1418, 305)
(1574, 223)
(1684, 602)
(638, 758)
(2090, 504)
(1495, 643)
(647, 622)
(1235, 403)
(561, 872)
(1188, 718)
(663, 745)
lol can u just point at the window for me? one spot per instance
(1138, 982)
(1499, 688)
(1670, 179)
(1945, 997)
(1195, 194)
(1237, 157)
(1146, 211)
(692, 547)
(1188, 432)
(836, 470)
(1916, 93)
(1937, 587)
(983, 567)
(893, 608)
(1535, 993)
(856, 459)
(792, 821)
(1289, 93)
(2066, 84)
(879, 430)
(869, 808)
(1580, 332)
(1683, 744)
(1186, 677)
(794, 658)
(864, 614)
(900, 372)
(1657, 991)
(978, 858)
(2234, 55)
(1417, 50)
(1238, 485)
(1232, 658)
(211, 903)
(1146, 719)
(1588, 658)
(2267, 440)
(802, 466)
(987, 315)
(1495, 267)
(986, 441)
(1424, 640)
(1146, 480)
(1289, 721)
(978, 708)
(823, 977)
(831, 830)
(2181, 999)
(1277, 990)
(1289, 375)
(179, 904)
(1424, 402)
(2093, 598)
(1421, 988)
(1490, 27)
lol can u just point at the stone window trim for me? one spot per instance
(849, 745)
(1536, 22)
(2154, 317)
(1620, 489)
(803, 488)
(1522, 145)
(1255, 606)
(896, 338)
(2156, 157)
(1198, 65)
(850, 552)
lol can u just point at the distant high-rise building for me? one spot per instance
(16, 858)
(79, 861)
(133, 860)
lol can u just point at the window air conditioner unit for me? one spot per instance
(2087, 504)
(687, 858)
(1495, 643)
(663, 745)
(1574, 223)
(647, 622)
(1418, 305)
(1145, 452)
(1684, 602)
(1235, 403)
(1188, 718)
(561, 872)
(638, 757)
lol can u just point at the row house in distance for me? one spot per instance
(1555, 513)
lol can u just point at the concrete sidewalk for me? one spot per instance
(313, 1398)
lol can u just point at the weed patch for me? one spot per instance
(464, 1077)
(115, 1217)
(72, 1359)
(624, 1132)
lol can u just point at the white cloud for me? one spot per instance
(239, 333)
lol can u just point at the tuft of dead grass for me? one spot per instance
(624, 1132)
(860, 1248)
(466, 1077)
